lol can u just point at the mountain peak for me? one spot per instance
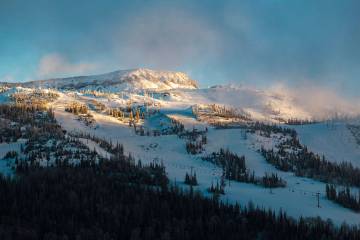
(122, 80)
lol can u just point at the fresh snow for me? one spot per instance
(123, 80)
(332, 139)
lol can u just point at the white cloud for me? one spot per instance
(55, 65)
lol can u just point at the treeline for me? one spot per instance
(66, 151)
(107, 145)
(190, 179)
(355, 131)
(296, 121)
(47, 143)
(272, 180)
(77, 108)
(217, 189)
(193, 134)
(177, 127)
(20, 120)
(133, 114)
(11, 154)
(234, 168)
(116, 113)
(195, 140)
(35, 97)
(233, 165)
(222, 111)
(264, 129)
(305, 163)
(24, 114)
(9, 134)
(343, 196)
(82, 111)
(195, 147)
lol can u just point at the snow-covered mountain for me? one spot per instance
(225, 115)
(122, 80)
(180, 91)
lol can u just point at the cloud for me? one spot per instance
(164, 37)
(319, 101)
(55, 65)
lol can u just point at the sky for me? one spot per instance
(261, 43)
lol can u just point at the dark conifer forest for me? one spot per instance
(117, 200)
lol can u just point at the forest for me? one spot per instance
(118, 200)
(343, 196)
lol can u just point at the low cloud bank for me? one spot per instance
(320, 102)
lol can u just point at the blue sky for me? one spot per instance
(262, 42)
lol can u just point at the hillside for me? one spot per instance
(241, 134)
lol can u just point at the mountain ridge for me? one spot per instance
(121, 80)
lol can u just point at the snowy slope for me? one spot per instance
(334, 140)
(297, 199)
